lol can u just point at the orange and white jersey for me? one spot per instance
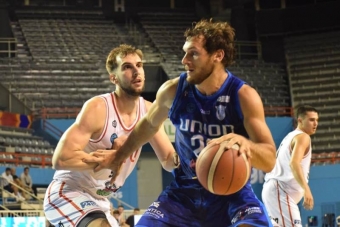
(94, 183)
(282, 171)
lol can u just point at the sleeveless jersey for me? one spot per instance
(199, 118)
(94, 183)
(282, 171)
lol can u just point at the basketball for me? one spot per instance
(222, 171)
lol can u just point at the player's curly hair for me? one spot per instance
(217, 35)
(122, 50)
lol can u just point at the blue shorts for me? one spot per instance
(186, 204)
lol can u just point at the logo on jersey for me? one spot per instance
(109, 189)
(153, 211)
(297, 222)
(223, 98)
(155, 204)
(190, 107)
(220, 112)
(113, 137)
(114, 123)
(207, 112)
(244, 212)
(87, 204)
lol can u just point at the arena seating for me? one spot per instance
(313, 62)
(166, 31)
(15, 140)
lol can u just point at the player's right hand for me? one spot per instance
(308, 202)
(103, 158)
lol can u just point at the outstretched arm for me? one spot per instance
(150, 124)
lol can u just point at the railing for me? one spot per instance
(9, 42)
(278, 111)
(48, 113)
(47, 126)
(26, 159)
(248, 49)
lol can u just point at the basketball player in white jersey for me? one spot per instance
(287, 183)
(77, 196)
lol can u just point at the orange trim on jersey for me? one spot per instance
(278, 200)
(290, 213)
(69, 200)
(55, 206)
(106, 122)
(128, 129)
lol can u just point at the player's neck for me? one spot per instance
(126, 104)
(213, 83)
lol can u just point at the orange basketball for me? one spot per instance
(222, 171)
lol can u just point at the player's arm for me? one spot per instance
(262, 144)
(163, 148)
(69, 152)
(300, 146)
(150, 124)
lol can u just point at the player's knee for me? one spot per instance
(94, 219)
(101, 222)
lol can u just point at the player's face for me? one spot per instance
(197, 62)
(130, 74)
(309, 122)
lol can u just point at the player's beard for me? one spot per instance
(199, 77)
(129, 90)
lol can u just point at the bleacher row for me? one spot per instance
(67, 54)
(313, 63)
(14, 140)
(166, 30)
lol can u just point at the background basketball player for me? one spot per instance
(77, 196)
(287, 183)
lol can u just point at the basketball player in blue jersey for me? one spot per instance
(207, 104)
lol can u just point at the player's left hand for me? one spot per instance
(103, 158)
(231, 139)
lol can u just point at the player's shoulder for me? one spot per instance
(95, 102)
(302, 137)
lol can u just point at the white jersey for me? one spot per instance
(281, 192)
(94, 183)
(282, 171)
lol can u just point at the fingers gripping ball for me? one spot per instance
(222, 171)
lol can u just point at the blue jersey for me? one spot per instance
(185, 203)
(199, 118)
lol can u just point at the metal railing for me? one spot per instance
(10, 42)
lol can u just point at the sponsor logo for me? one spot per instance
(155, 204)
(87, 204)
(207, 112)
(154, 213)
(108, 189)
(113, 137)
(297, 222)
(223, 98)
(244, 212)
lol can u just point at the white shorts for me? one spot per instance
(69, 205)
(280, 205)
